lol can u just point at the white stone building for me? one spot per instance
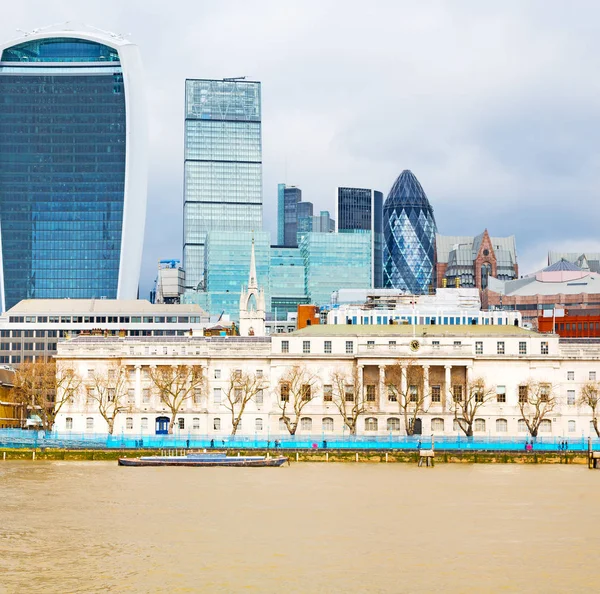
(447, 357)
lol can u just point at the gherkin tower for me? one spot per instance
(409, 237)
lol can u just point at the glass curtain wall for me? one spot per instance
(62, 169)
(223, 166)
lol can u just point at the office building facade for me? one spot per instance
(222, 168)
(359, 210)
(287, 281)
(409, 237)
(73, 166)
(288, 198)
(227, 259)
(333, 261)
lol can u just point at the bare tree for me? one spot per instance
(296, 390)
(348, 396)
(536, 401)
(404, 384)
(240, 390)
(109, 389)
(176, 384)
(466, 405)
(44, 388)
(590, 396)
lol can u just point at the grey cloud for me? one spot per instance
(493, 106)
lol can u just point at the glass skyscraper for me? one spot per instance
(223, 166)
(73, 166)
(288, 198)
(360, 210)
(409, 234)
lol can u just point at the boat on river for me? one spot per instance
(204, 459)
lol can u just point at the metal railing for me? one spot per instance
(20, 438)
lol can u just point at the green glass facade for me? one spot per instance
(227, 259)
(287, 281)
(333, 261)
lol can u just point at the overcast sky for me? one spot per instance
(493, 106)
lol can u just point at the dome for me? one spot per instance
(407, 191)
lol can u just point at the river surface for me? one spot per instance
(95, 527)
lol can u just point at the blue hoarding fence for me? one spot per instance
(20, 438)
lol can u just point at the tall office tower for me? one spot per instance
(409, 234)
(223, 166)
(73, 166)
(359, 210)
(288, 198)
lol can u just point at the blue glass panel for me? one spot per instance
(60, 49)
(62, 174)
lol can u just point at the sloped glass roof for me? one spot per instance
(60, 49)
(407, 191)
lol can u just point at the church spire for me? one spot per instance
(252, 283)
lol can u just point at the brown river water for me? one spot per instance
(95, 527)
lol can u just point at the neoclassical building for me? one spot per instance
(440, 363)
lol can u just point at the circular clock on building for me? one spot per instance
(414, 345)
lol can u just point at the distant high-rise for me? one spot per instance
(360, 210)
(73, 167)
(223, 166)
(288, 198)
(409, 234)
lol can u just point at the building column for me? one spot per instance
(426, 394)
(448, 381)
(138, 387)
(361, 381)
(469, 374)
(382, 394)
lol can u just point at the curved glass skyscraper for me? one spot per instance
(72, 166)
(409, 237)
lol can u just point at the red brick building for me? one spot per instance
(469, 261)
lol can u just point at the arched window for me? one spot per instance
(89, 424)
(501, 425)
(196, 424)
(572, 427)
(282, 426)
(69, 423)
(370, 424)
(479, 425)
(437, 425)
(455, 425)
(217, 424)
(129, 423)
(393, 424)
(327, 424)
(258, 424)
(144, 423)
(522, 426)
(306, 424)
(546, 426)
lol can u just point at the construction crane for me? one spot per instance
(234, 78)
